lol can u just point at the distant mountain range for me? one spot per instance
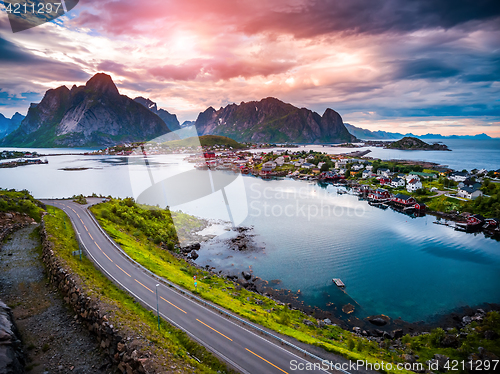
(7, 125)
(384, 135)
(97, 115)
(273, 121)
(91, 115)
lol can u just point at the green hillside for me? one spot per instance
(205, 141)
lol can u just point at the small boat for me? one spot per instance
(338, 282)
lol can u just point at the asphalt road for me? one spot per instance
(244, 350)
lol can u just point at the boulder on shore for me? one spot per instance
(377, 321)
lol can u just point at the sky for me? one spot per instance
(420, 66)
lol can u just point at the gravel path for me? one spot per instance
(53, 340)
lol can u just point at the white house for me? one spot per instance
(308, 165)
(398, 182)
(320, 164)
(383, 172)
(369, 167)
(340, 163)
(409, 177)
(269, 165)
(367, 174)
(280, 161)
(413, 185)
(358, 167)
(459, 176)
(469, 192)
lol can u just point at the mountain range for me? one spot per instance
(7, 125)
(273, 121)
(91, 115)
(384, 135)
(96, 114)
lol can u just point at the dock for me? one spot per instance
(338, 282)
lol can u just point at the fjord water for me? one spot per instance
(465, 153)
(391, 263)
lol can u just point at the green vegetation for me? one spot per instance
(123, 310)
(80, 199)
(156, 224)
(488, 206)
(395, 167)
(20, 201)
(205, 141)
(256, 308)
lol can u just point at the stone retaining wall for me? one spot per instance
(122, 353)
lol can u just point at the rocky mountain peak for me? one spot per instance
(147, 103)
(272, 120)
(17, 117)
(103, 84)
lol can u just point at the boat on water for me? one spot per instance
(338, 282)
(474, 222)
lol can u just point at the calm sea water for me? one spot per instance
(466, 153)
(391, 263)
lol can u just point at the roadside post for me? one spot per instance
(157, 307)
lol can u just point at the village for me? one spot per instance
(18, 158)
(406, 186)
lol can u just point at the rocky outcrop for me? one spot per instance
(11, 353)
(170, 119)
(124, 354)
(91, 115)
(273, 121)
(409, 143)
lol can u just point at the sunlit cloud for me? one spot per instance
(379, 63)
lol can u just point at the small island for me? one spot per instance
(410, 143)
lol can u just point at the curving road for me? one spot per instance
(241, 348)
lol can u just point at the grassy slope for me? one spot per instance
(224, 293)
(169, 343)
(19, 201)
(205, 141)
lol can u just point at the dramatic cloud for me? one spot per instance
(377, 62)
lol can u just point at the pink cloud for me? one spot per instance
(219, 68)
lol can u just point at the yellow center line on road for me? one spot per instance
(263, 359)
(144, 285)
(122, 270)
(90, 236)
(106, 256)
(211, 328)
(175, 306)
(102, 250)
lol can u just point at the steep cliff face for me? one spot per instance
(170, 119)
(91, 115)
(271, 120)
